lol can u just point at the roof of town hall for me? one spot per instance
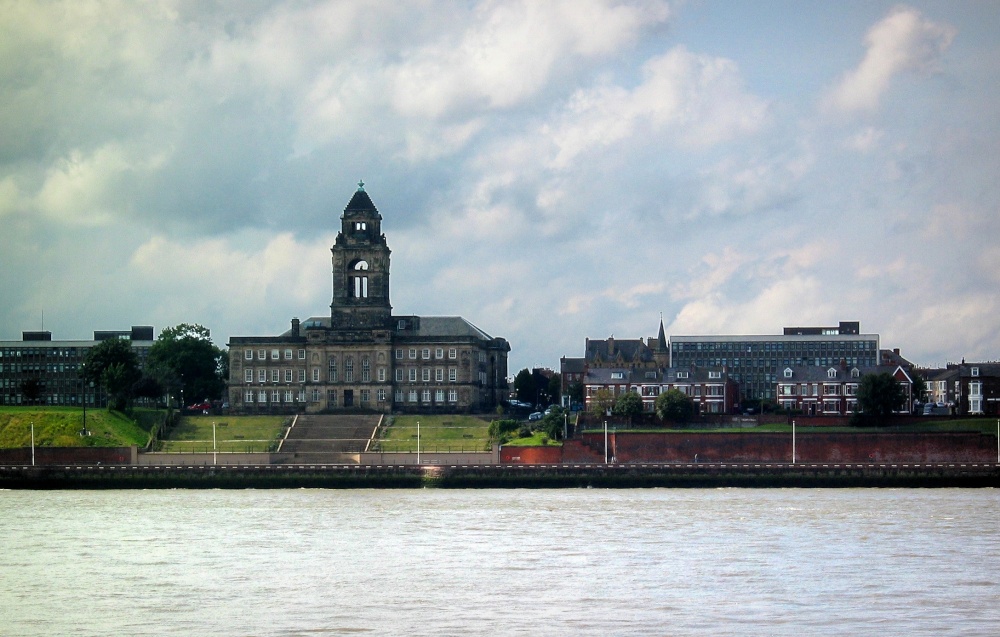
(427, 327)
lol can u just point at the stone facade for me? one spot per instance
(361, 356)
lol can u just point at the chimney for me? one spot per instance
(295, 327)
(611, 345)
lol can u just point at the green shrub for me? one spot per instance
(498, 428)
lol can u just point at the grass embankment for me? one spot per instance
(241, 434)
(62, 427)
(437, 434)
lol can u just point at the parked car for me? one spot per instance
(536, 416)
(938, 409)
(202, 406)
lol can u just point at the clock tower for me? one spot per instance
(360, 268)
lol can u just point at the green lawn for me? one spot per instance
(437, 433)
(243, 434)
(61, 427)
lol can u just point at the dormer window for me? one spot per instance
(855, 373)
(975, 371)
(831, 373)
(682, 374)
(788, 372)
(617, 375)
(715, 374)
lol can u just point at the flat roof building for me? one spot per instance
(755, 362)
(40, 371)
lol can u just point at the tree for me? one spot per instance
(113, 364)
(32, 389)
(524, 386)
(601, 401)
(628, 404)
(184, 357)
(879, 395)
(552, 423)
(576, 393)
(674, 405)
(919, 387)
(149, 386)
(555, 388)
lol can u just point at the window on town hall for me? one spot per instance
(359, 282)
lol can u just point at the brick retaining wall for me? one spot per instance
(70, 455)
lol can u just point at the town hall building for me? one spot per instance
(361, 356)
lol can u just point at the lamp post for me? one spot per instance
(418, 442)
(32, 443)
(91, 384)
(793, 442)
(215, 447)
(605, 442)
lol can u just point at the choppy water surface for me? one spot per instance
(561, 562)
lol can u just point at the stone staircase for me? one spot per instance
(327, 438)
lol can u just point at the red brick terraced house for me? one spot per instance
(833, 390)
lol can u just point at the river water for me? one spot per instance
(501, 562)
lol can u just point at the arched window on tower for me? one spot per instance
(359, 282)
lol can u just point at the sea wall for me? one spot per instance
(680, 475)
(629, 447)
(69, 455)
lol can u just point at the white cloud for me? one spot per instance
(215, 276)
(694, 100)
(902, 41)
(865, 141)
(510, 51)
(77, 187)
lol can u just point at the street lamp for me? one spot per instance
(32, 443)
(605, 441)
(793, 442)
(418, 442)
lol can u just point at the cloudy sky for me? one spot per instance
(550, 170)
